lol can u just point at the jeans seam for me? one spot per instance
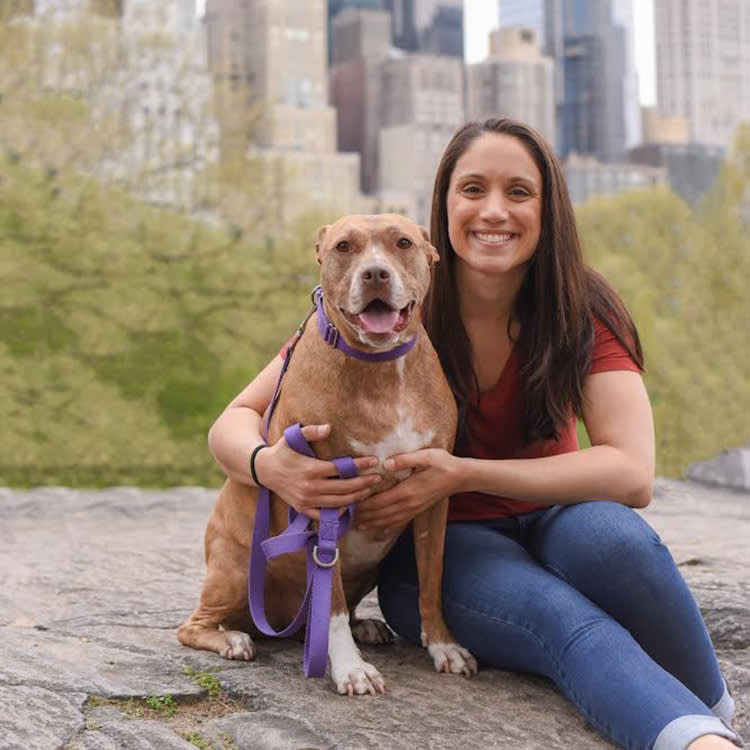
(596, 721)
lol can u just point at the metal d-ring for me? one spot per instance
(322, 564)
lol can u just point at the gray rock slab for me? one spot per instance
(731, 468)
(34, 718)
(66, 663)
(113, 731)
(93, 585)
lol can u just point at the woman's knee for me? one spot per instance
(602, 539)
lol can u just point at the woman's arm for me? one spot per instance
(305, 481)
(618, 466)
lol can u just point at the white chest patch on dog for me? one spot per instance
(403, 439)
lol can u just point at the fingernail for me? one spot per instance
(389, 464)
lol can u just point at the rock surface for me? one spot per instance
(731, 468)
(95, 583)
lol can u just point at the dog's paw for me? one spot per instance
(372, 632)
(238, 646)
(450, 657)
(358, 679)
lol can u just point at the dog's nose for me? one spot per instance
(375, 275)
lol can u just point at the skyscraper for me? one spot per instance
(515, 81)
(275, 56)
(703, 65)
(591, 42)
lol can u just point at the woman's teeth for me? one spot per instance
(485, 237)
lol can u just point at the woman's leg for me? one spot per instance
(610, 554)
(513, 614)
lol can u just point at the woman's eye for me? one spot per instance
(404, 243)
(519, 192)
(473, 189)
(343, 246)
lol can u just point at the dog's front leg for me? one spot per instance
(351, 673)
(429, 543)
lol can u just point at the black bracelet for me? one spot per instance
(252, 463)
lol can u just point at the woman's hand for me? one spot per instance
(436, 475)
(306, 483)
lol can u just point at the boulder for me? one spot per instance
(731, 468)
(95, 583)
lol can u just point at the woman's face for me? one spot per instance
(494, 205)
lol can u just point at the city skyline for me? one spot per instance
(481, 17)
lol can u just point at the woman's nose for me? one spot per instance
(494, 206)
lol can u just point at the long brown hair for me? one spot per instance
(558, 300)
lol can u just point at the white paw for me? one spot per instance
(450, 657)
(238, 646)
(358, 679)
(372, 632)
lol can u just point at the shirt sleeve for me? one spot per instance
(608, 353)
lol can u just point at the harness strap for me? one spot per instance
(321, 556)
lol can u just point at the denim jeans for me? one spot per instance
(588, 596)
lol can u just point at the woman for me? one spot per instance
(537, 577)
(582, 592)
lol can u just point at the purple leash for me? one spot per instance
(322, 555)
(322, 546)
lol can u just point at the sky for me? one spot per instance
(481, 17)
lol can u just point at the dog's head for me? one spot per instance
(375, 271)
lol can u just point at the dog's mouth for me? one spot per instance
(379, 317)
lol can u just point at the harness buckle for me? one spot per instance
(331, 335)
(322, 564)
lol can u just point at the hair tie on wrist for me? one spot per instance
(255, 452)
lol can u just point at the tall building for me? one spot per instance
(703, 65)
(444, 35)
(587, 177)
(336, 6)
(144, 78)
(515, 81)
(361, 42)
(691, 167)
(440, 26)
(276, 54)
(591, 42)
(421, 107)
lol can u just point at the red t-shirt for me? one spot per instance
(495, 429)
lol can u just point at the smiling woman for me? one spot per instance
(543, 543)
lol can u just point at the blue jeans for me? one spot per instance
(588, 596)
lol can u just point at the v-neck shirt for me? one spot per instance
(495, 428)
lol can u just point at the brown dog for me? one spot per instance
(375, 271)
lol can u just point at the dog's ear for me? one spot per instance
(432, 255)
(321, 234)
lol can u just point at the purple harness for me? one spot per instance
(321, 546)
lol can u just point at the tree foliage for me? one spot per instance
(683, 276)
(125, 330)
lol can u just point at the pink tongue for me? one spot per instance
(378, 322)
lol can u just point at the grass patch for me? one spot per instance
(206, 680)
(183, 716)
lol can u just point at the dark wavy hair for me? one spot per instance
(556, 305)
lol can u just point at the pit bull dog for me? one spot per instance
(375, 271)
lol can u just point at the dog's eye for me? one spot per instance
(404, 243)
(343, 246)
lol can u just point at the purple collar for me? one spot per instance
(333, 338)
